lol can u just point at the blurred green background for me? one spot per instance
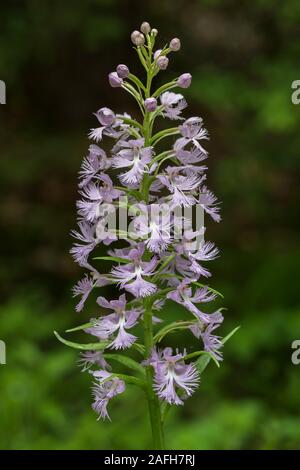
(54, 57)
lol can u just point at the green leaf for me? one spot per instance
(230, 334)
(202, 363)
(100, 346)
(202, 353)
(113, 258)
(178, 325)
(164, 408)
(131, 380)
(139, 347)
(126, 361)
(80, 327)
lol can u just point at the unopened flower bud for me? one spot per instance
(122, 71)
(175, 44)
(145, 27)
(157, 54)
(105, 116)
(150, 104)
(114, 80)
(184, 80)
(154, 32)
(162, 62)
(137, 38)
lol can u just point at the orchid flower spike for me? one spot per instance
(159, 255)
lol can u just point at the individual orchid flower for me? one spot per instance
(95, 162)
(154, 224)
(183, 295)
(172, 374)
(117, 323)
(111, 125)
(92, 358)
(173, 104)
(136, 157)
(192, 132)
(104, 390)
(83, 288)
(208, 202)
(94, 195)
(211, 342)
(131, 276)
(181, 187)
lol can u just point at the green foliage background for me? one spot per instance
(55, 57)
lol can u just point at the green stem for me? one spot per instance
(153, 402)
(163, 88)
(164, 133)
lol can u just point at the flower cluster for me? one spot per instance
(153, 263)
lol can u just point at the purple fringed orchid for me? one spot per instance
(172, 374)
(116, 324)
(173, 104)
(106, 387)
(159, 256)
(135, 156)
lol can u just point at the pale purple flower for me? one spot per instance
(182, 188)
(185, 80)
(131, 276)
(135, 156)
(86, 235)
(189, 268)
(207, 251)
(122, 71)
(211, 342)
(154, 224)
(111, 125)
(208, 202)
(90, 358)
(171, 374)
(114, 80)
(191, 156)
(95, 162)
(105, 390)
(173, 104)
(83, 288)
(94, 195)
(183, 295)
(194, 250)
(192, 131)
(150, 104)
(116, 324)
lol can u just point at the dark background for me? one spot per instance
(55, 57)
